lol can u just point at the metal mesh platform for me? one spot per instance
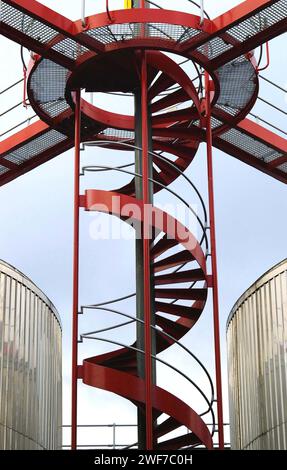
(47, 86)
(117, 135)
(269, 156)
(3, 170)
(30, 147)
(47, 90)
(283, 167)
(123, 32)
(223, 40)
(259, 22)
(223, 48)
(250, 145)
(36, 147)
(237, 84)
(26, 24)
(254, 27)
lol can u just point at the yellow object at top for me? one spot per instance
(128, 4)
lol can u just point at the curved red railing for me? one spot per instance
(175, 248)
(117, 371)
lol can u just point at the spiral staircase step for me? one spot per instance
(191, 275)
(176, 259)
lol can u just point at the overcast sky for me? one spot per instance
(37, 223)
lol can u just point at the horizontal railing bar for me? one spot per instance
(11, 86)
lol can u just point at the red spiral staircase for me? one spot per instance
(117, 371)
(120, 52)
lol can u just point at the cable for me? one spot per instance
(267, 59)
(11, 109)
(190, 1)
(11, 86)
(25, 31)
(108, 11)
(260, 56)
(22, 57)
(154, 4)
(272, 105)
(18, 125)
(272, 83)
(200, 7)
(268, 123)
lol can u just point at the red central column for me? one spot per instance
(145, 335)
(146, 252)
(146, 255)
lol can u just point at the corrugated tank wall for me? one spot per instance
(30, 365)
(257, 364)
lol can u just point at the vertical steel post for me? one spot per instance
(142, 158)
(214, 265)
(146, 255)
(139, 268)
(83, 13)
(114, 435)
(76, 270)
(201, 12)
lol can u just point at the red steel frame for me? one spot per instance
(76, 269)
(146, 251)
(75, 30)
(146, 254)
(218, 27)
(214, 264)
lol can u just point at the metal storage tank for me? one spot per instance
(257, 364)
(30, 365)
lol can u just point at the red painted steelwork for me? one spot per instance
(17, 141)
(146, 251)
(101, 20)
(112, 371)
(239, 13)
(25, 135)
(76, 271)
(93, 51)
(267, 59)
(146, 256)
(214, 265)
(253, 129)
(260, 135)
(39, 11)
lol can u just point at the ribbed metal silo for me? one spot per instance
(257, 364)
(30, 365)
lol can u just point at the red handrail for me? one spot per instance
(268, 59)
